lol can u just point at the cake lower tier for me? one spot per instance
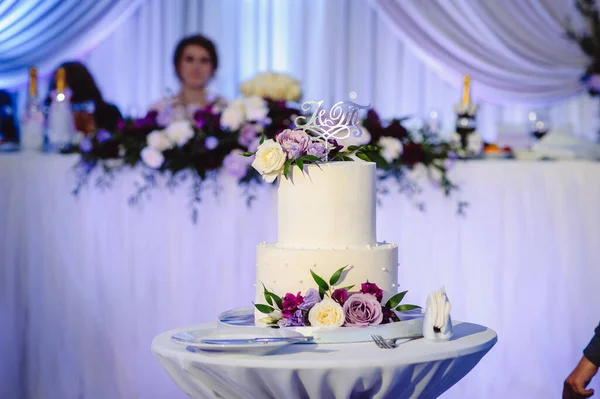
(288, 270)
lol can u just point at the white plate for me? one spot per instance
(194, 339)
(410, 326)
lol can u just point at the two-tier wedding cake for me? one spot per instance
(326, 220)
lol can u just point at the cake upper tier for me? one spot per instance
(330, 205)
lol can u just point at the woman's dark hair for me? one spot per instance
(196, 40)
(81, 83)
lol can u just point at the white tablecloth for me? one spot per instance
(418, 369)
(86, 283)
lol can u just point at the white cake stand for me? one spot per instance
(410, 326)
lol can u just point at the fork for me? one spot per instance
(390, 343)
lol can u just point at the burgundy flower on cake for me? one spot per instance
(290, 303)
(363, 310)
(340, 295)
(373, 289)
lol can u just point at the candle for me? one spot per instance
(466, 97)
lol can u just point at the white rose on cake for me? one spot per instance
(270, 160)
(180, 132)
(327, 313)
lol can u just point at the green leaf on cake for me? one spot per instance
(323, 286)
(262, 138)
(263, 308)
(310, 158)
(363, 156)
(267, 295)
(348, 288)
(395, 300)
(286, 167)
(277, 300)
(336, 276)
(406, 308)
(248, 154)
(353, 148)
(300, 164)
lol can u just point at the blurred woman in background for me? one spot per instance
(90, 110)
(195, 62)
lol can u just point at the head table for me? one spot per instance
(416, 369)
(86, 283)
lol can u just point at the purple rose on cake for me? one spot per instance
(316, 149)
(373, 289)
(294, 142)
(296, 319)
(311, 298)
(362, 310)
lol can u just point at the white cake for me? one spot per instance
(326, 220)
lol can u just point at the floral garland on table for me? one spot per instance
(253, 139)
(332, 307)
(589, 42)
(404, 151)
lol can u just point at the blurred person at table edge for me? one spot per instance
(90, 111)
(195, 61)
(580, 377)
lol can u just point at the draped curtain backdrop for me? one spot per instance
(403, 57)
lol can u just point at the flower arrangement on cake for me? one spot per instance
(332, 306)
(311, 140)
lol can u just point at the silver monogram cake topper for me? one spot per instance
(336, 123)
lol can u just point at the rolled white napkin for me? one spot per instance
(437, 325)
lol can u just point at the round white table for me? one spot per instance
(416, 369)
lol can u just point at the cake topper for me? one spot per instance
(336, 123)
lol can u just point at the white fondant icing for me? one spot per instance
(331, 205)
(374, 265)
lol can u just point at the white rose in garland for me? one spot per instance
(270, 160)
(391, 148)
(256, 108)
(180, 132)
(159, 141)
(152, 157)
(234, 115)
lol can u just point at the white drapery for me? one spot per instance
(337, 46)
(45, 32)
(85, 284)
(516, 50)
